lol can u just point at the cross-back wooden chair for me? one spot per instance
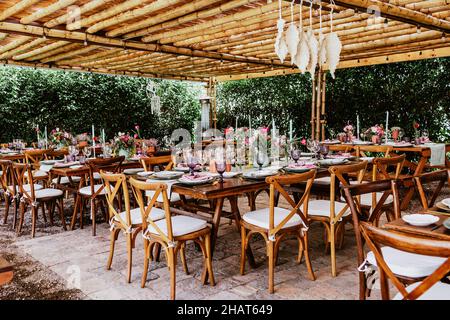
(380, 151)
(53, 154)
(94, 192)
(426, 181)
(9, 189)
(387, 168)
(341, 148)
(274, 223)
(334, 214)
(42, 198)
(430, 288)
(129, 221)
(163, 162)
(34, 158)
(171, 233)
(409, 267)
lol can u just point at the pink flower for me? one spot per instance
(303, 141)
(136, 127)
(264, 129)
(135, 136)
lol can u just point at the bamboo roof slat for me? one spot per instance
(198, 39)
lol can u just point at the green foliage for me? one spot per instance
(409, 91)
(75, 101)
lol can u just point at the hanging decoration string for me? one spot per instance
(331, 15)
(279, 9)
(301, 13)
(320, 15)
(292, 11)
(310, 13)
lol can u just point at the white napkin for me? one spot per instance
(169, 184)
(437, 154)
(46, 167)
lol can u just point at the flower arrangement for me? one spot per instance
(83, 139)
(416, 127)
(124, 144)
(348, 129)
(137, 133)
(377, 130)
(61, 138)
(395, 131)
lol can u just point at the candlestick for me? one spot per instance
(93, 140)
(46, 138)
(290, 130)
(236, 123)
(387, 126)
(357, 126)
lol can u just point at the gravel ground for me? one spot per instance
(32, 280)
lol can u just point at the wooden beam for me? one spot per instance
(81, 37)
(383, 59)
(397, 13)
(46, 11)
(18, 7)
(102, 71)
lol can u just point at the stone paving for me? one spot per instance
(80, 259)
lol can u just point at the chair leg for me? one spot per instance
(15, 214)
(208, 260)
(172, 264)
(83, 207)
(93, 207)
(113, 238)
(75, 211)
(130, 255)
(307, 259)
(183, 257)
(22, 216)
(333, 249)
(43, 213)
(147, 250)
(157, 251)
(243, 246)
(60, 205)
(34, 211)
(271, 258)
(7, 201)
(301, 248)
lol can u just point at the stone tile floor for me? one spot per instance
(76, 259)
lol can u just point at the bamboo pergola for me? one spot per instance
(200, 40)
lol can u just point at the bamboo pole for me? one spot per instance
(22, 48)
(92, 57)
(39, 14)
(14, 44)
(18, 7)
(3, 36)
(102, 15)
(69, 54)
(313, 106)
(41, 50)
(323, 120)
(318, 102)
(64, 19)
(51, 53)
(133, 14)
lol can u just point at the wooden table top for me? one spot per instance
(439, 233)
(85, 169)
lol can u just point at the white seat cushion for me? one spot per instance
(97, 176)
(260, 218)
(366, 199)
(27, 187)
(181, 225)
(37, 174)
(324, 180)
(322, 208)
(87, 190)
(174, 197)
(439, 291)
(136, 217)
(48, 193)
(65, 180)
(407, 264)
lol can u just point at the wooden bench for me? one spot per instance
(6, 271)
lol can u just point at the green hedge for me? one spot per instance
(414, 91)
(75, 101)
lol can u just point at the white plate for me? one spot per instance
(260, 174)
(368, 159)
(446, 202)
(181, 169)
(331, 162)
(48, 162)
(76, 166)
(402, 145)
(133, 170)
(145, 173)
(168, 175)
(231, 174)
(420, 220)
(195, 182)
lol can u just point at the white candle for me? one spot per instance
(236, 123)
(273, 128)
(357, 126)
(103, 136)
(93, 140)
(290, 130)
(37, 134)
(46, 138)
(387, 125)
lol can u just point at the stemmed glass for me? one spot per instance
(87, 152)
(324, 149)
(401, 134)
(425, 133)
(192, 163)
(295, 155)
(221, 167)
(260, 159)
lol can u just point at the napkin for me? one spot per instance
(437, 154)
(168, 183)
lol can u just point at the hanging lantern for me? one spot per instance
(155, 100)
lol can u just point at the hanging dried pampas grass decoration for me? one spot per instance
(322, 42)
(302, 57)
(281, 48)
(333, 48)
(313, 46)
(292, 36)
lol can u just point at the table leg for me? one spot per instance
(237, 215)
(216, 223)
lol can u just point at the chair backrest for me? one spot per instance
(165, 162)
(116, 187)
(437, 178)
(57, 154)
(387, 168)
(34, 157)
(376, 238)
(339, 176)
(139, 189)
(110, 165)
(276, 185)
(341, 148)
(383, 151)
(7, 179)
(19, 175)
(352, 192)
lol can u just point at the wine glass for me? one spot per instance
(144, 148)
(192, 163)
(295, 155)
(401, 134)
(260, 159)
(324, 149)
(107, 151)
(221, 167)
(87, 152)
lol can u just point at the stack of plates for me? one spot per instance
(196, 179)
(444, 205)
(167, 175)
(260, 174)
